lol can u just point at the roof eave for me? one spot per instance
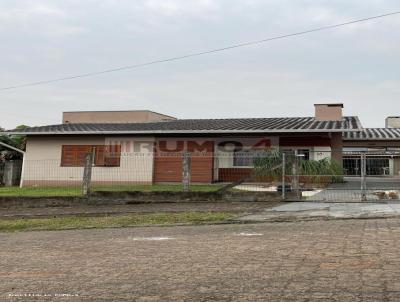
(186, 132)
(370, 139)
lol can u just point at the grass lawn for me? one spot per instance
(40, 192)
(159, 188)
(63, 223)
(77, 191)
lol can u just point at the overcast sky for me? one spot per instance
(358, 65)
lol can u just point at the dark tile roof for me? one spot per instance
(242, 125)
(374, 134)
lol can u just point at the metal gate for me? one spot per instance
(364, 176)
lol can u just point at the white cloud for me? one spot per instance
(37, 17)
(181, 7)
(22, 14)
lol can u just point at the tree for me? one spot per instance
(17, 141)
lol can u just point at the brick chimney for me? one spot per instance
(328, 112)
(392, 122)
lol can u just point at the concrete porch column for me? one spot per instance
(337, 147)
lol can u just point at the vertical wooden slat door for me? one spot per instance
(202, 161)
(168, 166)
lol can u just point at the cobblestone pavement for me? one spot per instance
(251, 207)
(338, 260)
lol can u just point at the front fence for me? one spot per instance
(1, 173)
(315, 175)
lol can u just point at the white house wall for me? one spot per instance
(42, 163)
(319, 153)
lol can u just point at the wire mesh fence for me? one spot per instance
(300, 174)
(323, 175)
(1, 173)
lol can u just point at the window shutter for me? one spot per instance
(68, 157)
(81, 154)
(99, 159)
(74, 155)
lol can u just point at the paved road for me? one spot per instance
(341, 260)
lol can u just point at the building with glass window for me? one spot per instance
(146, 147)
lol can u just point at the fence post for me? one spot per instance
(296, 176)
(283, 176)
(186, 172)
(87, 174)
(363, 176)
(1, 172)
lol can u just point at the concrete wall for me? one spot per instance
(337, 147)
(42, 163)
(319, 153)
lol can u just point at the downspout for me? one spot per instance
(23, 160)
(12, 148)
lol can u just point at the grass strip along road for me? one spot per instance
(77, 190)
(63, 223)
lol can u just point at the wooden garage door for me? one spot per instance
(202, 161)
(168, 167)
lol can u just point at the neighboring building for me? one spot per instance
(132, 116)
(382, 146)
(146, 148)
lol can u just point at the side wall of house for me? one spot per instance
(42, 163)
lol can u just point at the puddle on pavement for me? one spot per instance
(248, 234)
(151, 238)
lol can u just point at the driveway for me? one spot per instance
(339, 260)
(350, 190)
(325, 210)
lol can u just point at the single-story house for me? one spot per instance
(146, 147)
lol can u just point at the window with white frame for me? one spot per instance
(243, 158)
